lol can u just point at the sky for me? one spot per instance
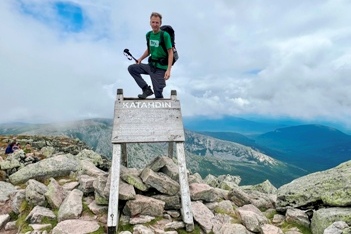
(63, 60)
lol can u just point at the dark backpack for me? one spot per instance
(170, 31)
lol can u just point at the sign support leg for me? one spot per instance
(112, 219)
(184, 188)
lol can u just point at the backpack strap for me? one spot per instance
(147, 40)
(162, 42)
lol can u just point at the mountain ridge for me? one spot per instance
(313, 147)
(221, 157)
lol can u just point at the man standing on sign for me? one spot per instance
(158, 67)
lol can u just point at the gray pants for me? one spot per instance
(156, 75)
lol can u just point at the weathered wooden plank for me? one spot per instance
(184, 188)
(112, 219)
(147, 120)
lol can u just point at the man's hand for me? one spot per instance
(167, 74)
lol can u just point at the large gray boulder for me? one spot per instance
(35, 192)
(252, 218)
(202, 215)
(126, 191)
(160, 181)
(17, 200)
(323, 218)
(336, 228)
(143, 205)
(61, 165)
(312, 188)
(38, 213)
(76, 226)
(55, 193)
(6, 189)
(72, 206)
(202, 192)
(90, 155)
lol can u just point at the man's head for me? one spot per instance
(155, 21)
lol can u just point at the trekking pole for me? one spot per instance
(129, 55)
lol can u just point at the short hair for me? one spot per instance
(156, 14)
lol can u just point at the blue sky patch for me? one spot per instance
(253, 71)
(67, 16)
(70, 16)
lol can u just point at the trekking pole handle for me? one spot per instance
(127, 53)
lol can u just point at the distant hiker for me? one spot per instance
(9, 148)
(28, 148)
(158, 68)
(16, 146)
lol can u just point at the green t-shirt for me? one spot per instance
(155, 49)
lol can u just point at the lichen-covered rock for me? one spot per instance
(202, 215)
(75, 226)
(60, 165)
(313, 187)
(339, 197)
(322, 218)
(72, 206)
(47, 151)
(143, 205)
(252, 218)
(126, 191)
(264, 187)
(297, 216)
(35, 192)
(336, 228)
(160, 181)
(135, 181)
(171, 202)
(6, 189)
(55, 193)
(91, 156)
(239, 196)
(211, 180)
(202, 192)
(39, 213)
(17, 200)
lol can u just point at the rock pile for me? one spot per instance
(67, 193)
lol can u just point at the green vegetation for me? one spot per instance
(101, 230)
(13, 216)
(270, 215)
(21, 223)
(154, 221)
(86, 210)
(47, 220)
(286, 226)
(125, 227)
(233, 215)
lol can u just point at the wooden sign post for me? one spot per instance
(147, 121)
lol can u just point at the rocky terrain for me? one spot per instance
(66, 191)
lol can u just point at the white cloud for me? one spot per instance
(236, 57)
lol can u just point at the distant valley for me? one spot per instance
(279, 156)
(311, 147)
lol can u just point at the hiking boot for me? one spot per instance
(146, 92)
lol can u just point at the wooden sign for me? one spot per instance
(147, 120)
